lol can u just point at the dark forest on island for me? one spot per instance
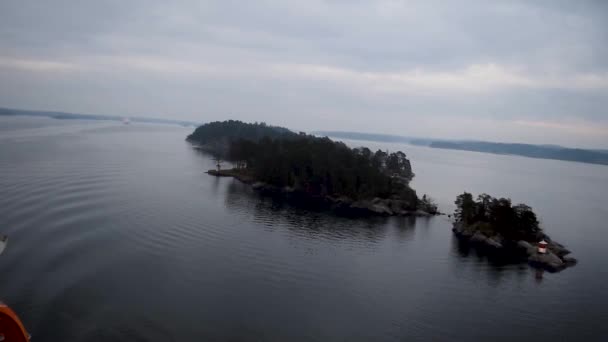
(317, 166)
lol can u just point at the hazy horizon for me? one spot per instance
(526, 72)
(171, 120)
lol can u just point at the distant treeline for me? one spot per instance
(527, 150)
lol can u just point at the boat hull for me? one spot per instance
(11, 328)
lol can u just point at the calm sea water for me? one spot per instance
(116, 233)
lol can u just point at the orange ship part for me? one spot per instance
(11, 328)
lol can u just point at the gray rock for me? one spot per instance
(494, 242)
(527, 247)
(396, 205)
(558, 249)
(421, 213)
(265, 188)
(569, 261)
(547, 260)
(361, 204)
(258, 185)
(479, 238)
(524, 244)
(341, 201)
(553, 260)
(288, 189)
(345, 199)
(381, 209)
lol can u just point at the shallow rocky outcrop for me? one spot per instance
(393, 206)
(526, 247)
(375, 206)
(257, 185)
(547, 260)
(553, 260)
(232, 173)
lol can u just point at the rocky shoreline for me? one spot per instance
(339, 204)
(555, 259)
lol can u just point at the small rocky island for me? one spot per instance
(512, 230)
(313, 170)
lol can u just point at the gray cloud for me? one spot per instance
(478, 69)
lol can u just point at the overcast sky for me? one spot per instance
(526, 71)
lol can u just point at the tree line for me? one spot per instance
(226, 131)
(324, 167)
(499, 215)
(319, 166)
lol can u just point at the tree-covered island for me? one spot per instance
(497, 225)
(313, 169)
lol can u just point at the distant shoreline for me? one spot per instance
(10, 112)
(551, 152)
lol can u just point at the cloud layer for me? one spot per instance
(534, 71)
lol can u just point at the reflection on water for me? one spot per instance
(495, 265)
(466, 250)
(274, 213)
(304, 221)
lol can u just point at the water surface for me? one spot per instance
(116, 233)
